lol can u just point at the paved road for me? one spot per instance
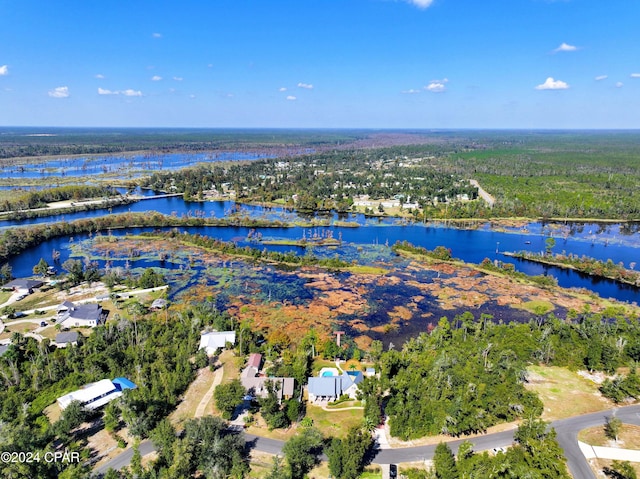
(567, 430)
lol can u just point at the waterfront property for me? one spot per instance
(23, 286)
(215, 340)
(96, 395)
(72, 315)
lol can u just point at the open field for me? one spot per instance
(564, 393)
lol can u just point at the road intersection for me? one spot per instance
(567, 434)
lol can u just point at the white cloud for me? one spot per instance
(308, 86)
(99, 76)
(565, 47)
(291, 98)
(551, 84)
(192, 96)
(178, 78)
(282, 89)
(421, 3)
(4, 70)
(437, 86)
(635, 75)
(410, 92)
(601, 77)
(156, 35)
(156, 78)
(128, 92)
(619, 84)
(59, 92)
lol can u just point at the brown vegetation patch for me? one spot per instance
(400, 313)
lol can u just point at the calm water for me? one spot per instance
(620, 243)
(124, 166)
(469, 245)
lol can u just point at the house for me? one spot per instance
(96, 395)
(256, 385)
(216, 340)
(65, 339)
(23, 286)
(330, 388)
(72, 315)
(350, 381)
(158, 304)
(324, 388)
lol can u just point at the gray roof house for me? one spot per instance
(324, 388)
(23, 286)
(257, 385)
(330, 388)
(65, 339)
(72, 315)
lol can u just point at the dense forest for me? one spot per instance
(562, 175)
(16, 240)
(553, 175)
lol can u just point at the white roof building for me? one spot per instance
(92, 396)
(216, 340)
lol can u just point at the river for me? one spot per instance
(616, 242)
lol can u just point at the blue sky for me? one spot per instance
(321, 63)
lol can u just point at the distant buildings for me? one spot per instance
(96, 395)
(214, 340)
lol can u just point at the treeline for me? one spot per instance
(433, 390)
(469, 373)
(441, 253)
(555, 174)
(535, 453)
(15, 240)
(78, 207)
(585, 264)
(39, 198)
(29, 142)
(155, 355)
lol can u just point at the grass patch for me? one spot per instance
(536, 306)
(629, 437)
(334, 423)
(564, 393)
(4, 296)
(598, 465)
(361, 269)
